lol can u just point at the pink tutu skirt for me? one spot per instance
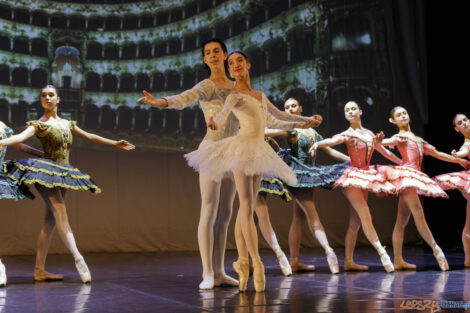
(403, 177)
(456, 180)
(370, 180)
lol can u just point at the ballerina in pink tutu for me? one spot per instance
(461, 180)
(411, 182)
(358, 180)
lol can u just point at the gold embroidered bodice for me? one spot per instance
(56, 142)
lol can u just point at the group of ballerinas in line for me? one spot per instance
(234, 157)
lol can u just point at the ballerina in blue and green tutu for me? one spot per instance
(53, 175)
(9, 188)
(309, 175)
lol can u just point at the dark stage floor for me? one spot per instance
(168, 282)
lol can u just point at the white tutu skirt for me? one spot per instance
(250, 155)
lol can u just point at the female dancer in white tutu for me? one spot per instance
(247, 156)
(461, 180)
(216, 196)
(409, 182)
(358, 180)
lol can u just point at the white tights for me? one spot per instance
(246, 236)
(216, 211)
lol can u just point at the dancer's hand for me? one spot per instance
(317, 120)
(313, 149)
(212, 124)
(454, 153)
(124, 145)
(150, 100)
(379, 137)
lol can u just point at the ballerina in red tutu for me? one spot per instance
(461, 180)
(358, 180)
(411, 182)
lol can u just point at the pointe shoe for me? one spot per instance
(41, 274)
(332, 261)
(258, 275)
(242, 267)
(3, 275)
(83, 270)
(385, 259)
(440, 257)
(300, 267)
(283, 263)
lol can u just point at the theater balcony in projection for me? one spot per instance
(67, 78)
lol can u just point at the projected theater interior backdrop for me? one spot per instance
(102, 56)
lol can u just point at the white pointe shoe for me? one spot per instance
(207, 282)
(440, 258)
(385, 259)
(284, 263)
(83, 270)
(332, 261)
(3, 275)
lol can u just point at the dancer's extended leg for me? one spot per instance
(295, 238)
(210, 195)
(466, 232)
(304, 198)
(411, 200)
(358, 202)
(403, 216)
(261, 209)
(227, 195)
(54, 200)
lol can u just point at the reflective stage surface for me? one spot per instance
(168, 282)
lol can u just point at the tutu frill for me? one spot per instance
(366, 179)
(250, 155)
(403, 177)
(275, 186)
(49, 174)
(309, 176)
(457, 180)
(9, 189)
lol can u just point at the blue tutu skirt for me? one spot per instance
(49, 174)
(308, 176)
(9, 189)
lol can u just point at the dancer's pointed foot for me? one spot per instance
(283, 263)
(385, 259)
(258, 275)
(401, 265)
(82, 269)
(300, 267)
(350, 266)
(332, 261)
(225, 280)
(3, 275)
(207, 282)
(41, 274)
(440, 257)
(242, 267)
